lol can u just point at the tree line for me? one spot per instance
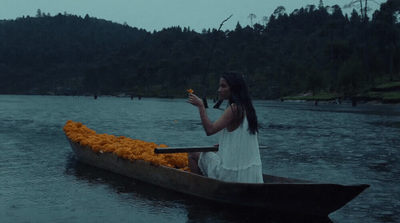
(312, 49)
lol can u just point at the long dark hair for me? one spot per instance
(240, 96)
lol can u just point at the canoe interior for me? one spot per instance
(276, 193)
(185, 149)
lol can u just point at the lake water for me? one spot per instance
(40, 181)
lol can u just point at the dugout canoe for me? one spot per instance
(275, 194)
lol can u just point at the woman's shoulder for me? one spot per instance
(236, 108)
(238, 113)
(233, 107)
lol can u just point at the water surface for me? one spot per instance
(40, 180)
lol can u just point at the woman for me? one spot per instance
(238, 156)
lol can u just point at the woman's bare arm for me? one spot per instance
(211, 128)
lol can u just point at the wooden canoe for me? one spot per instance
(275, 194)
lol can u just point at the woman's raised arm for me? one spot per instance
(211, 128)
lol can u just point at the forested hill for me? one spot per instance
(312, 49)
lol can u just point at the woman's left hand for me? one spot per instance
(194, 100)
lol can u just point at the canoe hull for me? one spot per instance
(277, 193)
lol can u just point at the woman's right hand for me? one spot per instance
(194, 100)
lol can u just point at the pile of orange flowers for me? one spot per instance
(124, 147)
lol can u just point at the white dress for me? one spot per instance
(238, 157)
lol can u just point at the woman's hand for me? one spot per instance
(209, 127)
(194, 100)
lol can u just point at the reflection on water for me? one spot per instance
(157, 199)
(40, 180)
(392, 124)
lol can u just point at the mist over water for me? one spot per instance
(40, 180)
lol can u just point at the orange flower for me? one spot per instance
(124, 147)
(190, 91)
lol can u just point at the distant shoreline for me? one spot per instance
(283, 100)
(348, 101)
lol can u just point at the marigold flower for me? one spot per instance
(127, 148)
(190, 91)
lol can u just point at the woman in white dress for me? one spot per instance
(238, 156)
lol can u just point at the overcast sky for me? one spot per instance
(157, 14)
